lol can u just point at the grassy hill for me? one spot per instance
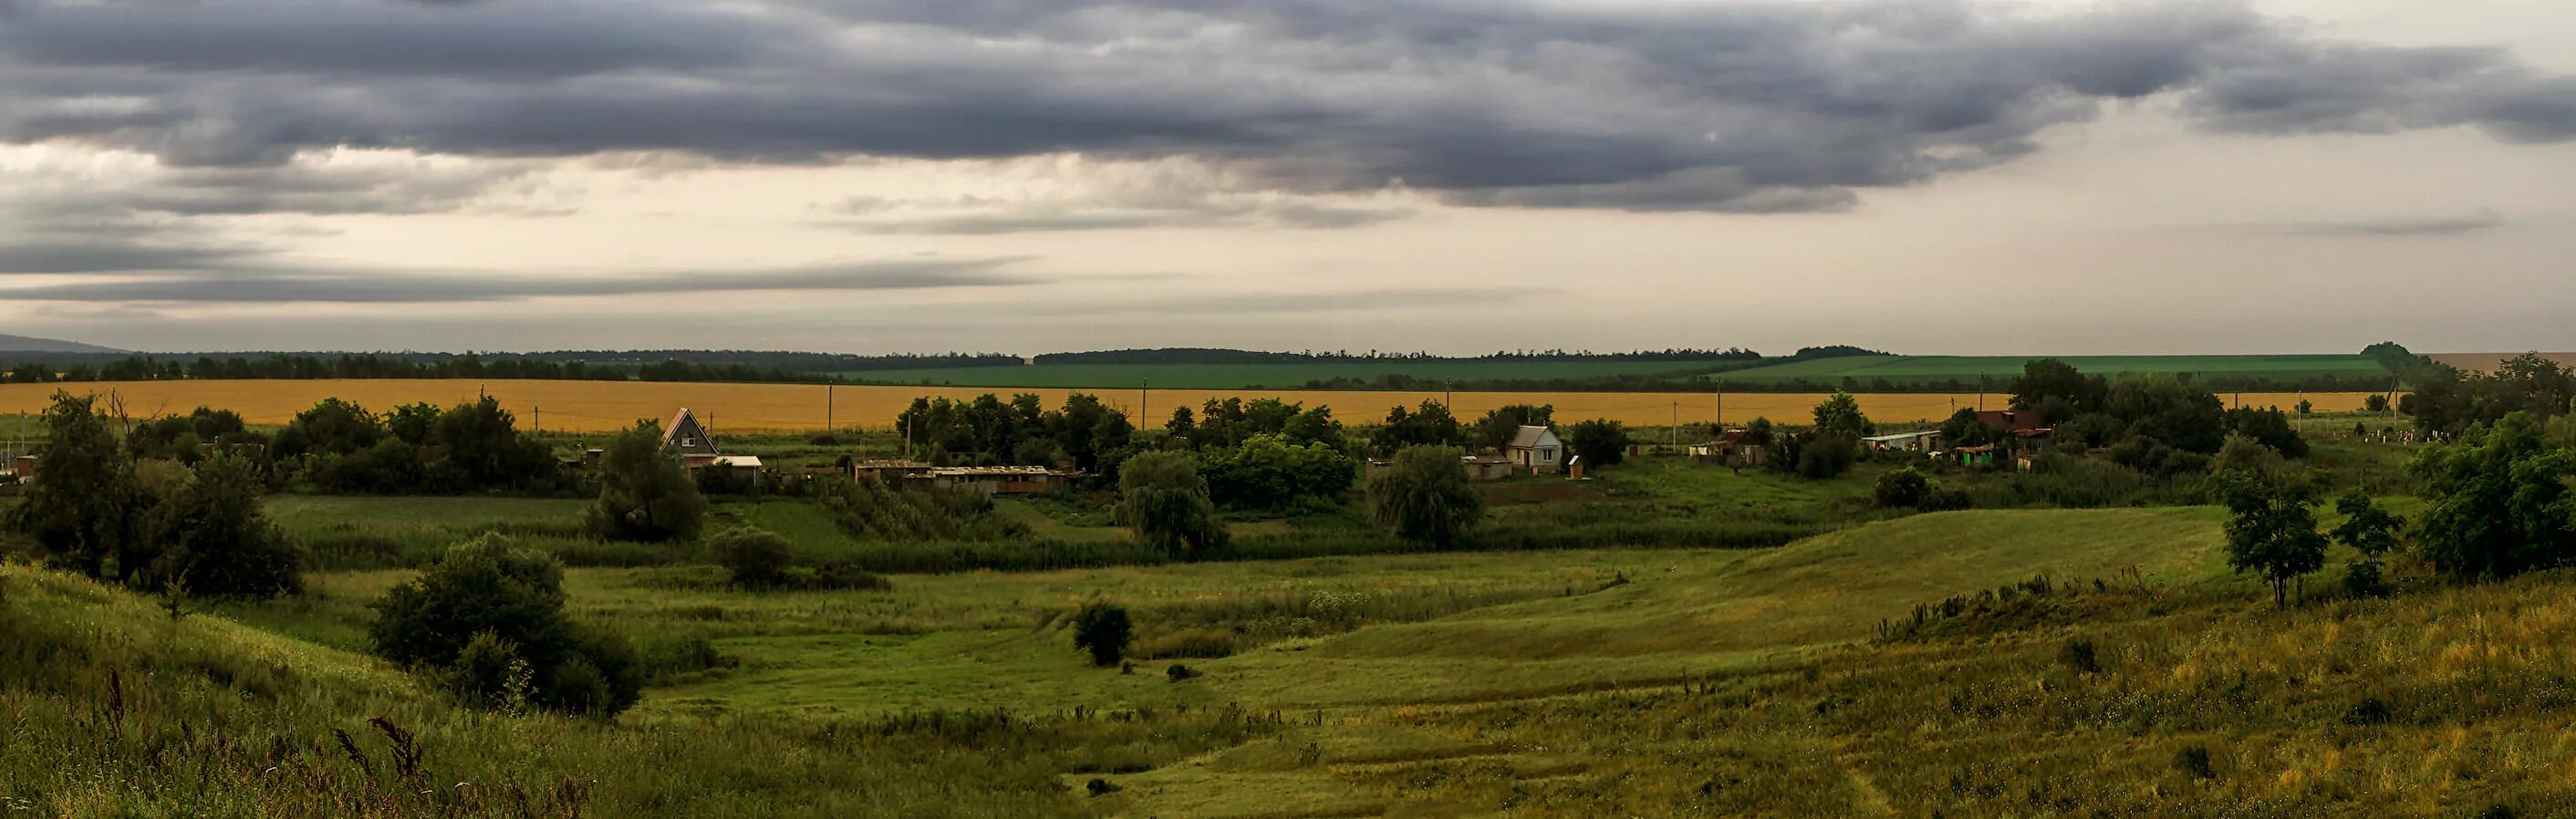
(1567, 683)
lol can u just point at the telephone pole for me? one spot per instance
(827, 407)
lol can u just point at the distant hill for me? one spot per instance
(24, 344)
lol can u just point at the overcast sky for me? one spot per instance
(1928, 176)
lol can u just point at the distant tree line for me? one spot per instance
(1202, 355)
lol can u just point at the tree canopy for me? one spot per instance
(1424, 496)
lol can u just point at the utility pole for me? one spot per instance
(827, 407)
(537, 417)
(1144, 393)
(1677, 425)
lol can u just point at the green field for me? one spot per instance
(1569, 683)
(1923, 369)
(1274, 376)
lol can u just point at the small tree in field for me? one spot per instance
(1103, 630)
(86, 506)
(2273, 530)
(2370, 530)
(1841, 415)
(1163, 499)
(214, 539)
(643, 494)
(1424, 496)
(486, 603)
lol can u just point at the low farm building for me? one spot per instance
(1922, 441)
(994, 480)
(1479, 467)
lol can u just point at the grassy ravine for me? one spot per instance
(1550, 684)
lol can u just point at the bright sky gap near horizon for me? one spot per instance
(1926, 176)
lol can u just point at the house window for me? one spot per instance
(688, 441)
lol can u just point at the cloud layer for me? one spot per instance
(1759, 106)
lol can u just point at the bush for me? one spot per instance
(1179, 672)
(755, 558)
(1599, 442)
(1103, 630)
(2369, 711)
(1946, 499)
(215, 541)
(846, 576)
(2193, 760)
(486, 590)
(1902, 488)
(2080, 654)
(488, 674)
(1826, 455)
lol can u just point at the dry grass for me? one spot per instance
(604, 406)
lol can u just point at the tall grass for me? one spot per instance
(116, 709)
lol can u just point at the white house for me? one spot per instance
(1536, 449)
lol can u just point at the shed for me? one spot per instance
(1921, 441)
(1536, 449)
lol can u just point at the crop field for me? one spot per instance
(2485, 362)
(2000, 370)
(607, 406)
(1274, 376)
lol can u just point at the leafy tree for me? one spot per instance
(1964, 429)
(2273, 528)
(753, 557)
(1162, 498)
(415, 424)
(2375, 403)
(2057, 390)
(2306, 407)
(2501, 504)
(1599, 442)
(1430, 425)
(485, 449)
(213, 540)
(2270, 427)
(178, 436)
(1103, 630)
(332, 427)
(1903, 488)
(1183, 424)
(486, 586)
(644, 495)
(1424, 496)
(1496, 429)
(1759, 432)
(85, 507)
(1841, 415)
(2370, 530)
(1270, 472)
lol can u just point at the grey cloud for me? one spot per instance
(238, 277)
(110, 256)
(1052, 217)
(2414, 226)
(1412, 298)
(1750, 107)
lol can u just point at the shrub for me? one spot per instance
(1599, 442)
(488, 674)
(1179, 672)
(846, 576)
(1946, 499)
(1902, 488)
(1826, 455)
(754, 557)
(2193, 760)
(1103, 630)
(2080, 654)
(488, 590)
(2369, 711)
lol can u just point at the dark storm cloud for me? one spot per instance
(1757, 106)
(1064, 216)
(214, 276)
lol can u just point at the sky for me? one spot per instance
(1456, 176)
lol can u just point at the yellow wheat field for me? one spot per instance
(603, 406)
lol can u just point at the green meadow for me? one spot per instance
(1273, 376)
(1906, 370)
